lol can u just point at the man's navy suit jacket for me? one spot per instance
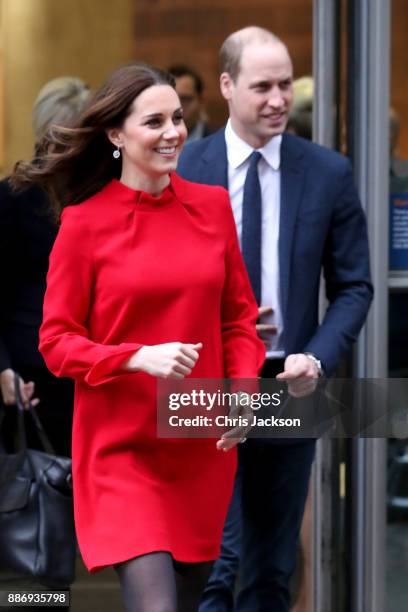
(322, 224)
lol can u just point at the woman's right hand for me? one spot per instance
(8, 391)
(170, 360)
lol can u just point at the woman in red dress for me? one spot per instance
(146, 280)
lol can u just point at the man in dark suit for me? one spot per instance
(190, 89)
(309, 218)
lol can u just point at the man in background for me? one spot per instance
(190, 89)
(297, 212)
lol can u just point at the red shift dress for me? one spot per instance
(127, 270)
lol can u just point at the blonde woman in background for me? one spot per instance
(27, 234)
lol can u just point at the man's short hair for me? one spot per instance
(180, 70)
(232, 47)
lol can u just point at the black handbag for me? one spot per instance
(37, 536)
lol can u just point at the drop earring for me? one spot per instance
(116, 153)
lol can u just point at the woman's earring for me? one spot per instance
(116, 153)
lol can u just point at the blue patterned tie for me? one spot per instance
(252, 225)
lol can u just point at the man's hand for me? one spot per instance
(170, 360)
(265, 330)
(8, 391)
(301, 373)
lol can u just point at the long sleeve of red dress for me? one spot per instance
(64, 336)
(129, 270)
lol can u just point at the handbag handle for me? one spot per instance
(22, 437)
(21, 432)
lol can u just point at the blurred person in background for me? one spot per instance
(398, 165)
(190, 89)
(27, 234)
(300, 120)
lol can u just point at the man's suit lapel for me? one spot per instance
(214, 169)
(292, 179)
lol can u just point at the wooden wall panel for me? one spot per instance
(172, 31)
(399, 69)
(43, 39)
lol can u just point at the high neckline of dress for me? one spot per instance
(135, 196)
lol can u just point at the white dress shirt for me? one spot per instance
(238, 153)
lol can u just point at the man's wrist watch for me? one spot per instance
(317, 363)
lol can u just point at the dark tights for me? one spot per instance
(156, 583)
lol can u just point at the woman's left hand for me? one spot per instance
(239, 410)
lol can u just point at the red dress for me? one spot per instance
(129, 269)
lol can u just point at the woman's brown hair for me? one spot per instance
(75, 162)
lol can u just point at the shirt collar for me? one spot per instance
(238, 150)
(197, 132)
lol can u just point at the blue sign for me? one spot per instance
(399, 231)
